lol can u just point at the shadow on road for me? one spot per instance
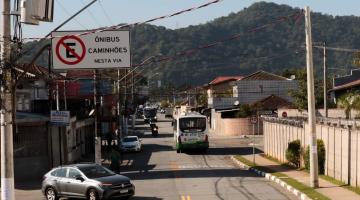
(226, 151)
(195, 173)
(145, 198)
(27, 185)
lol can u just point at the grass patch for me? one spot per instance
(309, 191)
(341, 184)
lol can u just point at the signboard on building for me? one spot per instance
(60, 118)
(82, 50)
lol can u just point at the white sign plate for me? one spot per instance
(107, 49)
(61, 118)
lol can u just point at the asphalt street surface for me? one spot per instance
(159, 173)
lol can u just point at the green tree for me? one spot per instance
(300, 94)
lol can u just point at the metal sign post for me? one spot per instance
(253, 120)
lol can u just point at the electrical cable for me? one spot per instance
(122, 26)
(105, 13)
(91, 15)
(65, 10)
(194, 50)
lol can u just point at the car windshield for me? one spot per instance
(95, 171)
(192, 124)
(130, 139)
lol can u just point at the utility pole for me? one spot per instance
(59, 128)
(57, 96)
(325, 82)
(97, 137)
(119, 104)
(7, 159)
(65, 100)
(314, 179)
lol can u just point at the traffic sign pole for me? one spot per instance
(253, 120)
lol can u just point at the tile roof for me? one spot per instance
(36, 72)
(274, 102)
(222, 79)
(262, 75)
(346, 86)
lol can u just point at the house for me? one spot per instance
(39, 145)
(264, 90)
(345, 84)
(220, 92)
(260, 85)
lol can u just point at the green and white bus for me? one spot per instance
(190, 132)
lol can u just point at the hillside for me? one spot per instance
(272, 49)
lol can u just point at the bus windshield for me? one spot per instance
(192, 124)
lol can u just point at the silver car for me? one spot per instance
(86, 181)
(130, 143)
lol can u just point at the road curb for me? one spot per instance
(272, 178)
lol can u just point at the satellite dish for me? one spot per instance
(91, 112)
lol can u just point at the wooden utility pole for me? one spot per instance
(314, 179)
(7, 154)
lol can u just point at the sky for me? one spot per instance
(110, 12)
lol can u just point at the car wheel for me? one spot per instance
(93, 195)
(50, 194)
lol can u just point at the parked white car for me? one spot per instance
(130, 143)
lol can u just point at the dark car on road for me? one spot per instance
(86, 181)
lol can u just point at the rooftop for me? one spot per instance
(262, 75)
(346, 86)
(274, 102)
(222, 79)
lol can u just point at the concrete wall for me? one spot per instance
(342, 144)
(234, 126)
(333, 113)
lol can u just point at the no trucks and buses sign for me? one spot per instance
(102, 50)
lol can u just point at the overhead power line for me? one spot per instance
(67, 12)
(338, 49)
(105, 13)
(121, 26)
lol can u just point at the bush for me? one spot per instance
(293, 152)
(321, 157)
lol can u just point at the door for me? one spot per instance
(60, 180)
(75, 188)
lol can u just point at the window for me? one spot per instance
(73, 173)
(192, 124)
(59, 172)
(95, 171)
(130, 139)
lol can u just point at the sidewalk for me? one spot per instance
(326, 188)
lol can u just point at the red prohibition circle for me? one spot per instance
(61, 42)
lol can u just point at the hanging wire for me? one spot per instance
(67, 12)
(105, 13)
(91, 15)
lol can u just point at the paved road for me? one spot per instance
(159, 173)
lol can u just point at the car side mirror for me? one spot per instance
(79, 177)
